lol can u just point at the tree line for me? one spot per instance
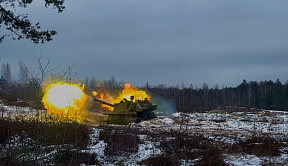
(262, 95)
(26, 89)
(272, 95)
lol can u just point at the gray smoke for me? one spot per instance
(165, 107)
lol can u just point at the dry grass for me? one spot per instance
(259, 146)
(182, 146)
(24, 140)
(120, 140)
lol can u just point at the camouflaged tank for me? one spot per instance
(129, 111)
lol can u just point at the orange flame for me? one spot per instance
(126, 93)
(129, 91)
(65, 101)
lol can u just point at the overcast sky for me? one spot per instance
(163, 42)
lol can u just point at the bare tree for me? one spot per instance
(23, 76)
(6, 72)
(205, 93)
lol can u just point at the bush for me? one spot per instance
(120, 140)
(162, 160)
(70, 157)
(179, 146)
(259, 146)
(24, 140)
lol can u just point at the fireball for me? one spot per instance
(65, 101)
(129, 91)
(126, 93)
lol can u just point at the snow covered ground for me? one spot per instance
(221, 127)
(230, 128)
(19, 112)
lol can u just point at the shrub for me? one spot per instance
(179, 146)
(71, 157)
(24, 140)
(162, 160)
(120, 141)
(259, 146)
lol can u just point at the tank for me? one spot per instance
(129, 111)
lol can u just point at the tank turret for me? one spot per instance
(129, 111)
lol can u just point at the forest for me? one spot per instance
(268, 95)
(261, 95)
(189, 137)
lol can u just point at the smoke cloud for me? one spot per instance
(165, 107)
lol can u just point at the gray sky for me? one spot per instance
(163, 42)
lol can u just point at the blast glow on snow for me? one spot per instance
(65, 101)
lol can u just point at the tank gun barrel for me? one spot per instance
(104, 102)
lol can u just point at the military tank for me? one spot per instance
(127, 111)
